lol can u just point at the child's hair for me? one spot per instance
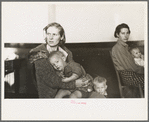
(132, 48)
(53, 53)
(99, 79)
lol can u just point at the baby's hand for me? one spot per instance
(102, 93)
(142, 56)
(61, 75)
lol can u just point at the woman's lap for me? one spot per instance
(131, 78)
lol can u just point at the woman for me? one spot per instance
(131, 73)
(48, 81)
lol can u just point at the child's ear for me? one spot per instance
(64, 58)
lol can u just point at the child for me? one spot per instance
(100, 85)
(138, 57)
(70, 72)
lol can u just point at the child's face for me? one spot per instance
(100, 88)
(58, 63)
(136, 53)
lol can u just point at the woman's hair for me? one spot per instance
(61, 31)
(99, 79)
(119, 27)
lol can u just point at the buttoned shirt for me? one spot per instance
(123, 60)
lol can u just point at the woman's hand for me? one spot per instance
(81, 83)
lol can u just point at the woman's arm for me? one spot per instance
(71, 78)
(46, 74)
(123, 60)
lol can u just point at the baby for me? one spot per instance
(138, 57)
(100, 85)
(70, 71)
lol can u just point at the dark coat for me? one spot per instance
(48, 82)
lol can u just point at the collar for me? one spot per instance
(57, 49)
(49, 48)
(122, 43)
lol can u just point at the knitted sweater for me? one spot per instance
(48, 82)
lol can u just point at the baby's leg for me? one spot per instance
(61, 93)
(76, 94)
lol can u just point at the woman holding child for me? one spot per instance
(131, 74)
(48, 82)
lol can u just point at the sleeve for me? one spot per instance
(76, 68)
(124, 59)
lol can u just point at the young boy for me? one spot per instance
(100, 86)
(70, 72)
(138, 57)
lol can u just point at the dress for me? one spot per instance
(73, 67)
(48, 82)
(131, 73)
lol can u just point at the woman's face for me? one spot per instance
(123, 35)
(53, 36)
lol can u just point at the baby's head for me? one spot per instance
(57, 59)
(135, 52)
(100, 85)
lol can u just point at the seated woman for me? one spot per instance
(48, 82)
(131, 74)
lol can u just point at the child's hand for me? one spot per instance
(102, 93)
(142, 57)
(61, 75)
